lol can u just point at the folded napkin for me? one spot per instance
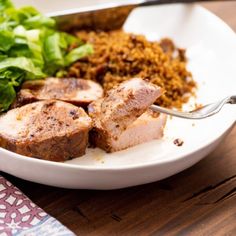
(20, 216)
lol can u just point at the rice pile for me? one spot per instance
(119, 56)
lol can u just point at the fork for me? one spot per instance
(200, 113)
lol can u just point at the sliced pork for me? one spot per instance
(149, 126)
(50, 130)
(123, 105)
(79, 92)
(115, 117)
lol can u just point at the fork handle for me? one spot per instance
(232, 99)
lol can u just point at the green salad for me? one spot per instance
(31, 48)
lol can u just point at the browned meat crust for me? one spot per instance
(50, 130)
(76, 91)
(118, 110)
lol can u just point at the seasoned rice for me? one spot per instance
(119, 56)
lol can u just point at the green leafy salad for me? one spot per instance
(31, 48)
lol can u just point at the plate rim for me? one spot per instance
(154, 163)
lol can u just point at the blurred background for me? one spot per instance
(216, 7)
(59, 4)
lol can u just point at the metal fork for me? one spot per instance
(200, 113)
(106, 16)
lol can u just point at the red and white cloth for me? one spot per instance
(19, 216)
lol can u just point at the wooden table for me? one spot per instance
(198, 201)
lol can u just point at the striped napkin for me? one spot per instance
(19, 216)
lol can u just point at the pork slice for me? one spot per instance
(123, 105)
(149, 126)
(50, 130)
(79, 92)
(122, 118)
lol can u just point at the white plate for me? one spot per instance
(211, 48)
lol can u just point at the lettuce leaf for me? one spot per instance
(39, 21)
(78, 53)
(4, 4)
(32, 48)
(52, 50)
(23, 64)
(7, 95)
(6, 40)
(8, 81)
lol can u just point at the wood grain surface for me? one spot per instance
(198, 201)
